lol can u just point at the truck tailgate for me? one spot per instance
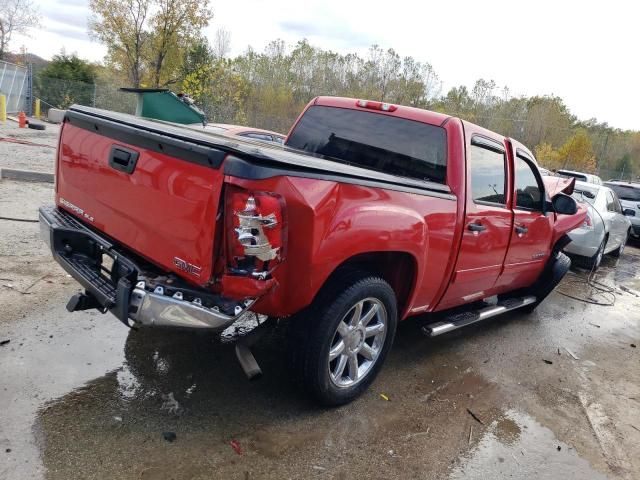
(154, 192)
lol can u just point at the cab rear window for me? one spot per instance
(372, 140)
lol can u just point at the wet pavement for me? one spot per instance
(552, 394)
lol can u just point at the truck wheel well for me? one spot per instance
(398, 269)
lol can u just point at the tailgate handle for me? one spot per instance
(123, 159)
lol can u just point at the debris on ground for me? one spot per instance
(318, 467)
(10, 286)
(475, 417)
(8, 450)
(559, 448)
(384, 397)
(170, 404)
(629, 290)
(169, 436)
(470, 434)
(594, 324)
(548, 362)
(235, 444)
(575, 357)
(5, 341)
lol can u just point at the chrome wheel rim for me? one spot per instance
(357, 342)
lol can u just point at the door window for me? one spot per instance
(487, 168)
(612, 205)
(528, 189)
(616, 202)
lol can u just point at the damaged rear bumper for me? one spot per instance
(115, 282)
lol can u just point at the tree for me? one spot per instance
(120, 25)
(577, 153)
(148, 38)
(222, 43)
(547, 156)
(69, 67)
(175, 25)
(16, 16)
(66, 80)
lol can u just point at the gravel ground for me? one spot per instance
(38, 157)
(554, 394)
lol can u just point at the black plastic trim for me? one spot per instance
(486, 142)
(123, 159)
(260, 170)
(138, 136)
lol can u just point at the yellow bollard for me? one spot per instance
(3, 109)
(37, 109)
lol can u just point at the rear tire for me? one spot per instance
(618, 251)
(592, 263)
(338, 345)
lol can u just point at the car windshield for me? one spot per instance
(584, 195)
(372, 140)
(626, 192)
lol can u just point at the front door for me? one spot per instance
(488, 221)
(530, 247)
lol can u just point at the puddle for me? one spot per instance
(45, 360)
(517, 446)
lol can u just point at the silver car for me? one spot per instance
(629, 195)
(605, 229)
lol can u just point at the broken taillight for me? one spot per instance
(256, 232)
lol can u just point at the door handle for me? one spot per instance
(123, 159)
(476, 228)
(521, 230)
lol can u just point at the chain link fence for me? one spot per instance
(14, 86)
(61, 94)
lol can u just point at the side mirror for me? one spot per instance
(629, 212)
(564, 204)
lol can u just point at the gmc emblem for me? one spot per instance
(186, 266)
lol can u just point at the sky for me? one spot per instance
(587, 52)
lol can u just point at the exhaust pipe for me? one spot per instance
(248, 361)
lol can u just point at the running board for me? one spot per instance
(463, 319)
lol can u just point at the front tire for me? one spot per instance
(549, 280)
(339, 344)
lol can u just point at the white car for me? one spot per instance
(606, 227)
(629, 195)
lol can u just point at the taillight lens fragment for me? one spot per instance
(256, 231)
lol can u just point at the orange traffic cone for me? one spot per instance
(22, 120)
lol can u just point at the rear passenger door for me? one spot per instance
(487, 224)
(530, 244)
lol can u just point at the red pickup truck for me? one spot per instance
(370, 213)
